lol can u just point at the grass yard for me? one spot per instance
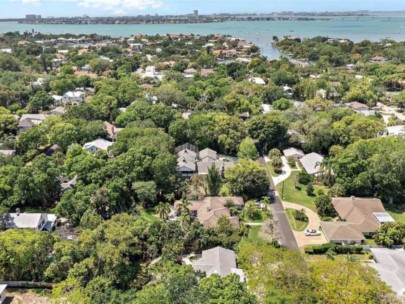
(295, 224)
(273, 173)
(397, 215)
(149, 216)
(298, 196)
(364, 258)
(253, 235)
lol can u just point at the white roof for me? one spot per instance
(58, 110)
(390, 264)
(100, 143)
(266, 108)
(396, 130)
(29, 220)
(292, 152)
(257, 80)
(2, 288)
(75, 94)
(7, 152)
(311, 161)
(57, 97)
(383, 217)
(33, 116)
(217, 260)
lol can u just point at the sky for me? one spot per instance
(57, 8)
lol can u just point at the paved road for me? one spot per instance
(277, 209)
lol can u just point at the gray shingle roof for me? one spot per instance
(311, 161)
(217, 260)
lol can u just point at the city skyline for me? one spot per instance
(57, 8)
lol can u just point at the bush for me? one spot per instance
(291, 162)
(300, 215)
(304, 178)
(339, 249)
(310, 189)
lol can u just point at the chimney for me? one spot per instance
(17, 211)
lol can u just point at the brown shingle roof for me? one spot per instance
(359, 212)
(341, 231)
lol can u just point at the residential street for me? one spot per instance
(280, 217)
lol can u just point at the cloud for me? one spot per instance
(34, 2)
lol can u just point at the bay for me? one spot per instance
(257, 32)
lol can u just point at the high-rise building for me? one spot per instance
(196, 13)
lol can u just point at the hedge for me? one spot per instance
(339, 249)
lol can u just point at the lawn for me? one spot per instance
(295, 224)
(397, 215)
(298, 196)
(148, 215)
(364, 258)
(253, 235)
(273, 173)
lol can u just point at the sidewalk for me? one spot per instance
(285, 171)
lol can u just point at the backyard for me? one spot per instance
(297, 195)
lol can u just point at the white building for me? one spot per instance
(73, 98)
(27, 121)
(98, 144)
(257, 80)
(312, 162)
(38, 221)
(2, 293)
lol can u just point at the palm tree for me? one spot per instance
(183, 206)
(170, 197)
(185, 220)
(163, 209)
(325, 170)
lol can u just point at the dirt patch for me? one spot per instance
(26, 297)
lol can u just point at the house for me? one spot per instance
(8, 51)
(52, 150)
(395, 131)
(68, 184)
(98, 144)
(38, 221)
(357, 106)
(257, 80)
(27, 121)
(360, 217)
(189, 73)
(221, 165)
(150, 72)
(341, 233)
(293, 152)
(312, 163)
(378, 59)
(186, 115)
(7, 153)
(218, 261)
(39, 82)
(73, 98)
(3, 293)
(288, 90)
(207, 154)
(58, 111)
(364, 214)
(209, 210)
(186, 162)
(390, 265)
(111, 130)
(206, 72)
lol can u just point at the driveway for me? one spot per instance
(287, 238)
(388, 110)
(313, 223)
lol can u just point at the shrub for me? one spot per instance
(291, 162)
(304, 178)
(310, 189)
(300, 215)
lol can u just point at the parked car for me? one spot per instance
(312, 232)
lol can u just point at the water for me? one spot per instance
(259, 33)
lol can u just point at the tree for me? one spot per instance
(214, 180)
(274, 153)
(8, 125)
(247, 149)
(63, 134)
(277, 164)
(24, 254)
(248, 178)
(163, 210)
(282, 104)
(390, 234)
(99, 66)
(39, 102)
(347, 282)
(324, 205)
(270, 129)
(310, 189)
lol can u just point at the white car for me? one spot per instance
(312, 232)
